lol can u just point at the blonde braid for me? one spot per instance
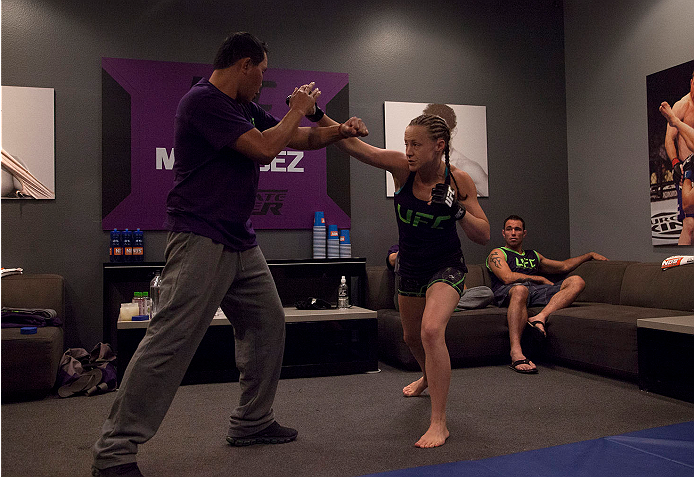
(437, 128)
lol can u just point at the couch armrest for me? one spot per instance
(35, 291)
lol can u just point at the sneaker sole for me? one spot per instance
(248, 441)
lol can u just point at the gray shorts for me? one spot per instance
(538, 294)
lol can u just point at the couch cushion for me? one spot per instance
(35, 291)
(646, 284)
(380, 288)
(476, 275)
(603, 280)
(473, 337)
(599, 336)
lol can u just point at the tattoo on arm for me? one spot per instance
(496, 259)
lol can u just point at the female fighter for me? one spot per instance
(432, 198)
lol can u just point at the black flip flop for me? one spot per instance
(539, 334)
(514, 366)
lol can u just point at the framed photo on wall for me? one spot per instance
(28, 143)
(672, 202)
(468, 146)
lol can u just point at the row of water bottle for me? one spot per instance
(144, 305)
(127, 246)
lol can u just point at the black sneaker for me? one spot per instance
(124, 470)
(273, 434)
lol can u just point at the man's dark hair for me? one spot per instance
(237, 46)
(514, 217)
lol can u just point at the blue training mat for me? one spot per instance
(659, 452)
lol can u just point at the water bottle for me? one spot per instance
(127, 242)
(148, 304)
(138, 246)
(343, 294)
(137, 299)
(115, 249)
(154, 291)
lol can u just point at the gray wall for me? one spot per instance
(506, 55)
(610, 49)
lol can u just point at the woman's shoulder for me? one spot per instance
(466, 186)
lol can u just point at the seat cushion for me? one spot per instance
(599, 336)
(473, 337)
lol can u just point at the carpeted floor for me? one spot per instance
(348, 425)
(666, 451)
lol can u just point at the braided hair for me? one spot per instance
(437, 128)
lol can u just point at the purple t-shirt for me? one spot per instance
(215, 186)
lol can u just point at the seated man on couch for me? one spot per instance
(518, 282)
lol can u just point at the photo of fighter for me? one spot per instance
(672, 220)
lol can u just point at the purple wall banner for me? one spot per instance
(139, 101)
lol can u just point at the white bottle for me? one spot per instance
(343, 294)
(154, 290)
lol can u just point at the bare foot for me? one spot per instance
(434, 437)
(416, 388)
(666, 111)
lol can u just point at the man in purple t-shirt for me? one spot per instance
(212, 258)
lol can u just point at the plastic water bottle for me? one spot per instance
(138, 246)
(127, 242)
(343, 294)
(137, 298)
(148, 304)
(115, 249)
(154, 291)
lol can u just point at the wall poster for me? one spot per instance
(468, 146)
(672, 216)
(139, 101)
(28, 143)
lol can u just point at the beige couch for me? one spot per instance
(30, 362)
(596, 333)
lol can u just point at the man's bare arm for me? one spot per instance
(318, 137)
(684, 130)
(568, 265)
(498, 266)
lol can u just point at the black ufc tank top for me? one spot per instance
(428, 235)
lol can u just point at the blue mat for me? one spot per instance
(659, 452)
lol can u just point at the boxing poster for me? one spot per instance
(468, 145)
(28, 143)
(670, 223)
(139, 102)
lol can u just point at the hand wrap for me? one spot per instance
(445, 195)
(317, 111)
(677, 171)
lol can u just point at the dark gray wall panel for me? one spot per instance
(506, 55)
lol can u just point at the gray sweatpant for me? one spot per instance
(199, 276)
